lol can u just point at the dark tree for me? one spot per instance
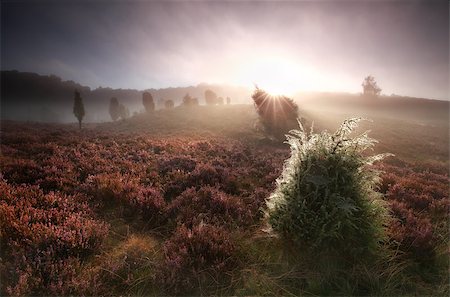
(189, 101)
(148, 102)
(370, 86)
(114, 109)
(210, 97)
(228, 100)
(278, 114)
(169, 104)
(78, 107)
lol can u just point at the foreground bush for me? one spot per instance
(325, 200)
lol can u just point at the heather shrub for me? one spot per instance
(44, 238)
(182, 163)
(325, 200)
(150, 203)
(413, 233)
(20, 171)
(255, 202)
(278, 114)
(196, 257)
(209, 205)
(177, 182)
(126, 192)
(206, 174)
(110, 189)
(419, 203)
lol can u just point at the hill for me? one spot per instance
(33, 97)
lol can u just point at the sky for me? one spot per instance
(280, 46)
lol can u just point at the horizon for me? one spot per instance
(325, 47)
(212, 85)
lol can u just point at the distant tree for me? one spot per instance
(189, 101)
(186, 100)
(194, 101)
(228, 100)
(220, 100)
(78, 107)
(278, 114)
(370, 87)
(169, 104)
(114, 109)
(210, 97)
(124, 112)
(147, 101)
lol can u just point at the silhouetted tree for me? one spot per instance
(169, 104)
(228, 100)
(370, 87)
(114, 109)
(78, 107)
(220, 101)
(124, 113)
(147, 100)
(278, 114)
(210, 97)
(189, 101)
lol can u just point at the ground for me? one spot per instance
(172, 202)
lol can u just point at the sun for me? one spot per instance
(276, 74)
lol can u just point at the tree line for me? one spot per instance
(119, 111)
(277, 119)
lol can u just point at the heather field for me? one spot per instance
(173, 203)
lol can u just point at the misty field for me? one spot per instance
(173, 202)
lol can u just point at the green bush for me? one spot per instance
(325, 200)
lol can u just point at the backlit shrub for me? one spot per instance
(278, 114)
(325, 199)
